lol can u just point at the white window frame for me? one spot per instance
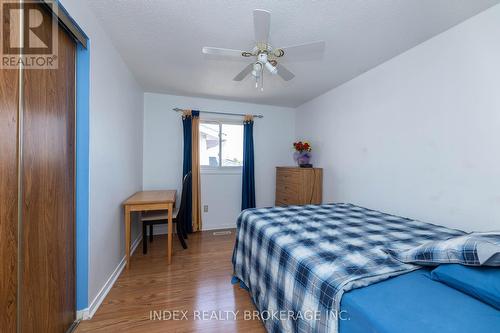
(221, 169)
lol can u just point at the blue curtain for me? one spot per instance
(187, 167)
(248, 193)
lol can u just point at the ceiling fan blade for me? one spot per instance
(262, 25)
(301, 49)
(284, 73)
(241, 75)
(222, 52)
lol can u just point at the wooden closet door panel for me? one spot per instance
(48, 171)
(9, 100)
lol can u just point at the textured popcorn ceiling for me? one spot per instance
(161, 40)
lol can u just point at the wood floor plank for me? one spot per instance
(197, 280)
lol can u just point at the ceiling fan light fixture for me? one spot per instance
(257, 69)
(273, 70)
(262, 57)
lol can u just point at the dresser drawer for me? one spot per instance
(288, 176)
(287, 187)
(287, 198)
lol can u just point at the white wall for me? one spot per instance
(418, 136)
(162, 169)
(116, 117)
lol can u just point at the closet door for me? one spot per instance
(9, 98)
(47, 239)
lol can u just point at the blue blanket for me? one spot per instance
(297, 261)
(414, 303)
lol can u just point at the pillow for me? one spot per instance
(473, 249)
(482, 283)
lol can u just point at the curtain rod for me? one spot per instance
(222, 113)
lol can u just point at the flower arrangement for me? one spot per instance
(302, 146)
(302, 153)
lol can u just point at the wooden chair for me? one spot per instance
(152, 218)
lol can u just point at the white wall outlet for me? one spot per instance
(205, 208)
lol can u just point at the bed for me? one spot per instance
(323, 268)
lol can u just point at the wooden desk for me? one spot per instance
(149, 200)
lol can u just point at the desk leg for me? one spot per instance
(169, 236)
(127, 236)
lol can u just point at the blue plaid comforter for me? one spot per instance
(297, 261)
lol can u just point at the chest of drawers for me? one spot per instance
(298, 186)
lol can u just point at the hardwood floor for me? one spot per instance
(199, 279)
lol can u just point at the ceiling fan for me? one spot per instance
(264, 54)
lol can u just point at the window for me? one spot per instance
(221, 144)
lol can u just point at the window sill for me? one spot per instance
(221, 171)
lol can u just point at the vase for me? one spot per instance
(302, 158)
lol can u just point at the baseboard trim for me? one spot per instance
(82, 314)
(162, 228)
(220, 227)
(89, 312)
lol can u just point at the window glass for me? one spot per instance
(221, 144)
(209, 144)
(232, 145)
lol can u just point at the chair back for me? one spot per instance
(181, 214)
